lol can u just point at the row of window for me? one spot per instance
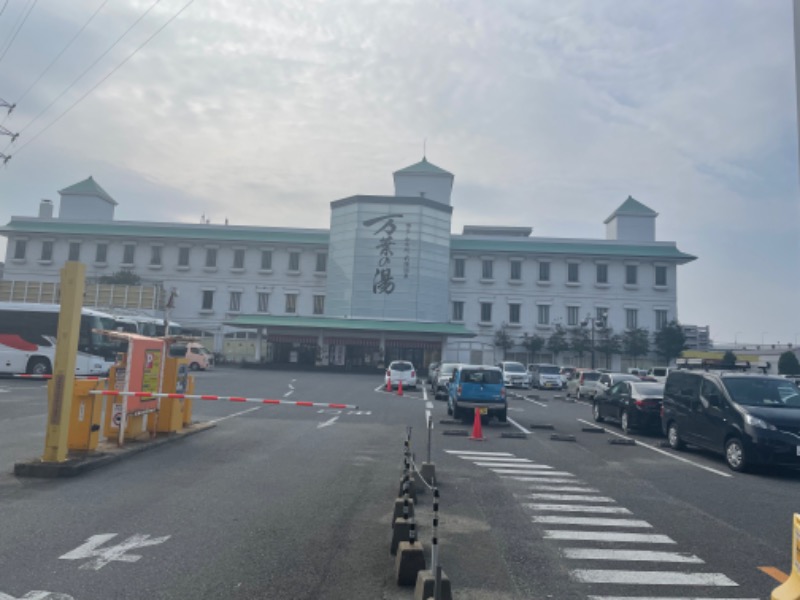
(573, 271)
(156, 256)
(543, 315)
(207, 301)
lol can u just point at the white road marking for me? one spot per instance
(470, 452)
(563, 488)
(502, 459)
(652, 578)
(3, 391)
(538, 471)
(291, 387)
(569, 497)
(289, 393)
(380, 388)
(539, 479)
(535, 402)
(607, 536)
(517, 425)
(38, 595)
(103, 556)
(327, 423)
(664, 452)
(592, 522)
(619, 510)
(428, 404)
(520, 468)
(241, 412)
(631, 555)
(425, 395)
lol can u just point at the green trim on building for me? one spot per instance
(632, 206)
(88, 187)
(424, 167)
(250, 321)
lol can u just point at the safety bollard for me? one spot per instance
(433, 583)
(428, 472)
(410, 559)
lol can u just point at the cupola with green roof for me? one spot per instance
(86, 201)
(424, 179)
(632, 222)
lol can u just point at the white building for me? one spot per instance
(387, 280)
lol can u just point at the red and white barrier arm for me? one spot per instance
(85, 377)
(229, 398)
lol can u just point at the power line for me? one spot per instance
(4, 8)
(64, 49)
(21, 22)
(114, 70)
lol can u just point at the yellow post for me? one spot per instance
(790, 589)
(59, 396)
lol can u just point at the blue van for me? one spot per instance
(477, 386)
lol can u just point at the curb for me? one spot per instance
(72, 467)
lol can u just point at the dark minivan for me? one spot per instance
(750, 419)
(477, 386)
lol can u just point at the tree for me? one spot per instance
(533, 343)
(122, 278)
(670, 341)
(557, 343)
(636, 343)
(503, 340)
(729, 359)
(608, 344)
(788, 364)
(580, 342)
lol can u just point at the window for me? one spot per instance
(573, 316)
(516, 270)
(322, 263)
(661, 319)
(74, 251)
(47, 250)
(661, 276)
(235, 304)
(266, 260)
(544, 314)
(572, 272)
(291, 303)
(211, 257)
(294, 261)
(602, 273)
(544, 271)
(208, 300)
(631, 274)
(631, 318)
(486, 312)
(513, 313)
(183, 256)
(263, 302)
(459, 268)
(487, 268)
(128, 254)
(601, 316)
(319, 305)
(238, 258)
(155, 256)
(458, 310)
(19, 249)
(101, 253)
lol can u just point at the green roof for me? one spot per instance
(247, 321)
(424, 167)
(138, 229)
(631, 206)
(87, 187)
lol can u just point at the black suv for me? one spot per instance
(750, 419)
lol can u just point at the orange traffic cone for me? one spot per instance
(399, 388)
(388, 385)
(477, 430)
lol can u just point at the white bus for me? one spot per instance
(144, 325)
(28, 340)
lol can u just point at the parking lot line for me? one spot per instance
(660, 451)
(517, 425)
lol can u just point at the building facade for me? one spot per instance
(387, 280)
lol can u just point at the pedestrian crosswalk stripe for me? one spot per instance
(490, 459)
(591, 521)
(607, 536)
(619, 510)
(632, 555)
(569, 497)
(471, 453)
(528, 467)
(651, 577)
(563, 488)
(540, 479)
(539, 472)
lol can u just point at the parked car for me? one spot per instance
(477, 386)
(582, 383)
(401, 371)
(659, 373)
(635, 404)
(750, 419)
(442, 383)
(514, 374)
(607, 380)
(198, 358)
(566, 374)
(544, 376)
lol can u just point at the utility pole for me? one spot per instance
(598, 321)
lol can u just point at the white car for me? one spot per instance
(400, 371)
(514, 374)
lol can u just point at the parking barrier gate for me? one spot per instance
(229, 398)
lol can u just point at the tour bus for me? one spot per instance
(28, 340)
(144, 325)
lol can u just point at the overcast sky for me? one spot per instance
(549, 113)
